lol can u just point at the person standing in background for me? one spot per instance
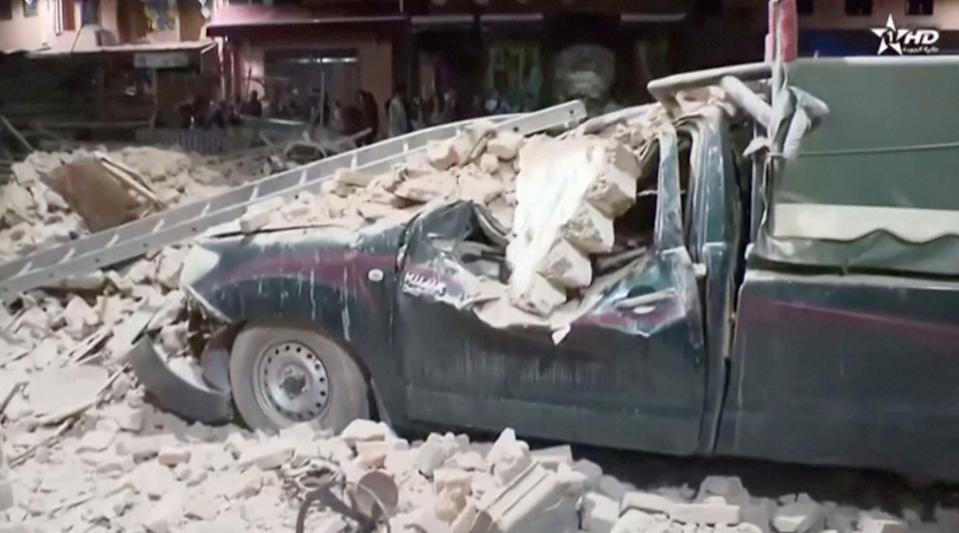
(398, 112)
(370, 115)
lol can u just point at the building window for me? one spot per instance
(30, 7)
(6, 9)
(89, 12)
(805, 7)
(859, 7)
(919, 7)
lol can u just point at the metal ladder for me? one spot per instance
(92, 252)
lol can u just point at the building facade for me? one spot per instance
(83, 24)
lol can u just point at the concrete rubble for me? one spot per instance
(96, 455)
(33, 216)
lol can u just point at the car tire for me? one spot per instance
(283, 374)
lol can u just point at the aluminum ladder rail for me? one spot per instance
(98, 250)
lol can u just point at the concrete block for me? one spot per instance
(427, 188)
(143, 448)
(356, 178)
(614, 189)
(166, 514)
(713, 511)
(451, 479)
(96, 441)
(336, 187)
(759, 511)
(479, 189)
(489, 163)
(646, 502)
(471, 461)
(173, 455)
(566, 266)
(364, 430)
(202, 506)
(611, 487)
(80, 318)
(441, 154)
(533, 502)
(591, 470)
(154, 479)
(508, 457)
(248, 484)
(798, 517)
(633, 521)
(599, 513)
(110, 463)
(872, 522)
(729, 487)
(553, 456)
(268, 455)
(537, 295)
(434, 453)
(371, 454)
(573, 481)
(505, 145)
(590, 230)
(464, 145)
(255, 220)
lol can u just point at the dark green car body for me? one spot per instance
(730, 336)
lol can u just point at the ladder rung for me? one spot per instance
(161, 229)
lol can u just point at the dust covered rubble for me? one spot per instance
(162, 475)
(461, 168)
(33, 216)
(97, 456)
(555, 200)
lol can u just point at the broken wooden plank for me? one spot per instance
(16, 133)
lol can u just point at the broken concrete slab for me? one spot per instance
(535, 294)
(566, 266)
(356, 178)
(635, 521)
(613, 190)
(49, 396)
(95, 441)
(371, 454)
(874, 522)
(798, 517)
(173, 455)
(599, 513)
(554, 456)
(167, 513)
(505, 145)
(364, 430)
(427, 188)
(268, 455)
(508, 457)
(589, 230)
(80, 318)
(488, 163)
(646, 502)
(441, 155)
(532, 502)
(713, 511)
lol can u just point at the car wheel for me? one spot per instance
(283, 374)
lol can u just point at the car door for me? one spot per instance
(630, 372)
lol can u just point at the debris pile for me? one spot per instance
(34, 216)
(82, 447)
(553, 199)
(129, 467)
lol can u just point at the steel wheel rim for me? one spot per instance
(291, 381)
